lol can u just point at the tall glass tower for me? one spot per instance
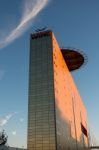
(57, 118)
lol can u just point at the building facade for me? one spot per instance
(57, 118)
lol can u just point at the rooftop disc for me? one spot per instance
(73, 58)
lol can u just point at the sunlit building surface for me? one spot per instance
(57, 118)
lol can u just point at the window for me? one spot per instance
(84, 130)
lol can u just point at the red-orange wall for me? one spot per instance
(67, 97)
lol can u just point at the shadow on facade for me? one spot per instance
(65, 140)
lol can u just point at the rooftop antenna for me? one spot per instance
(40, 29)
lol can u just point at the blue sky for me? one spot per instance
(75, 24)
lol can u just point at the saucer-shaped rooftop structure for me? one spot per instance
(73, 58)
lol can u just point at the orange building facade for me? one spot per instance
(57, 118)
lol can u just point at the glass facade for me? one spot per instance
(41, 110)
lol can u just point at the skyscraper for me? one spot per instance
(57, 118)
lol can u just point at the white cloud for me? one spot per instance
(14, 133)
(31, 10)
(4, 120)
(21, 119)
